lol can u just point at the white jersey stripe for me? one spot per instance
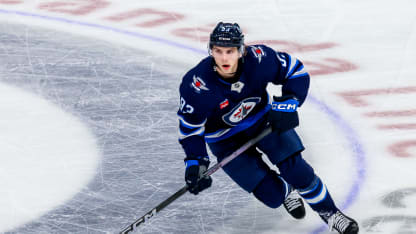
(299, 73)
(189, 125)
(293, 63)
(198, 132)
(217, 134)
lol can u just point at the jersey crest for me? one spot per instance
(238, 113)
(198, 84)
(258, 52)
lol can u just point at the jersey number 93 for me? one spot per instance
(186, 108)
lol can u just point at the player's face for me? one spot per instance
(226, 59)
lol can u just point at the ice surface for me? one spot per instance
(130, 105)
(126, 102)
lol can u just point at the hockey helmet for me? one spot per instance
(227, 35)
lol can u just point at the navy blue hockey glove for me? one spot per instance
(194, 169)
(283, 115)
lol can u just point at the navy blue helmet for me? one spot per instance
(227, 35)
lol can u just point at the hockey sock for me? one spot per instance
(318, 197)
(272, 190)
(298, 173)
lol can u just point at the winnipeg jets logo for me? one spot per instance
(237, 86)
(258, 52)
(198, 84)
(238, 113)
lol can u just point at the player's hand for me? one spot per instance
(283, 115)
(194, 169)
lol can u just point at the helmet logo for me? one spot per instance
(224, 38)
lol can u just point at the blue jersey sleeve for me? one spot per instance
(192, 118)
(292, 76)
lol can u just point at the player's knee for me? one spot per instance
(296, 171)
(271, 190)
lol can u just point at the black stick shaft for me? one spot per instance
(184, 189)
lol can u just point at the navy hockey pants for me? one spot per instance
(248, 169)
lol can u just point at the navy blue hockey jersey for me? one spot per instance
(212, 109)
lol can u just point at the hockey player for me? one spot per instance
(224, 103)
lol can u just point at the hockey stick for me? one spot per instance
(184, 189)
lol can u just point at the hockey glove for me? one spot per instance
(283, 115)
(194, 170)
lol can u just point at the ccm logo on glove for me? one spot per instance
(283, 114)
(290, 105)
